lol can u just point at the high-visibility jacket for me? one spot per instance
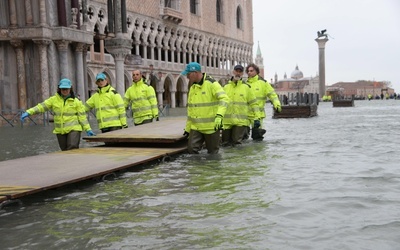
(69, 113)
(263, 90)
(206, 99)
(243, 104)
(143, 100)
(110, 108)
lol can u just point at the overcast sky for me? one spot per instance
(364, 38)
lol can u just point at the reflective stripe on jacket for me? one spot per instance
(144, 101)
(110, 108)
(205, 101)
(69, 114)
(243, 104)
(263, 90)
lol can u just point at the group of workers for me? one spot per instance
(216, 115)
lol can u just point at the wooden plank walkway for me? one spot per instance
(29, 175)
(168, 130)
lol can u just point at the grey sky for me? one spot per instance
(364, 38)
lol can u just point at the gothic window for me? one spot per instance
(219, 11)
(173, 4)
(239, 21)
(194, 7)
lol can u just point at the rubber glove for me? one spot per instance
(257, 123)
(186, 134)
(218, 122)
(23, 116)
(90, 133)
(156, 117)
(278, 108)
(125, 126)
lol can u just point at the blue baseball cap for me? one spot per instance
(101, 76)
(192, 67)
(65, 84)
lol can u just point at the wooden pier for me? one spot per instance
(148, 142)
(301, 111)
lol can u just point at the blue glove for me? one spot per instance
(257, 124)
(90, 133)
(23, 116)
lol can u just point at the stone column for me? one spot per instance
(62, 46)
(184, 97)
(13, 13)
(160, 97)
(43, 13)
(28, 13)
(21, 79)
(80, 78)
(44, 68)
(119, 48)
(321, 48)
(173, 99)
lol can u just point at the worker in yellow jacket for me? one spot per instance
(242, 106)
(142, 99)
(262, 90)
(110, 108)
(207, 103)
(69, 115)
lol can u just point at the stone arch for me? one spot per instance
(91, 82)
(181, 91)
(127, 80)
(167, 90)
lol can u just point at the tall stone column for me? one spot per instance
(44, 68)
(173, 99)
(28, 13)
(21, 79)
(184, 97)
(62, 46)
(43, 13)
(160, 97)
(321, 47)
(80, 78)
(13, 13)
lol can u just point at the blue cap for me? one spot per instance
(65, 84)
(192, 67)
(101, 76)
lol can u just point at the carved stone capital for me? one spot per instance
(44, 42)
(80, 47)
(62, 45)
(17, 44)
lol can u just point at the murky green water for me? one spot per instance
(327, 182)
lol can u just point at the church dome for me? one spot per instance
(296, 74)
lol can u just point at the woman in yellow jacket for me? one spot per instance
(142, 98)
(69, 115)
(110, 109)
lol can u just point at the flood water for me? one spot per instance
(327, 182)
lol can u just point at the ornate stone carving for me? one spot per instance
(74, 15)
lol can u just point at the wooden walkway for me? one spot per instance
(29, 175)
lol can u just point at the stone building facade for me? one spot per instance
(42, 41)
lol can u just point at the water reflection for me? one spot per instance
(328, 182)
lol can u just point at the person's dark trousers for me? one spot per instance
(197, 139)
(69, 141)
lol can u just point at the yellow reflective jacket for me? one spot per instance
(69, 113)
(263, 90)
(206, 99)
(143, 100)
(110, 108)
(243, 104)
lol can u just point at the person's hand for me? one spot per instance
(218, 122)
(156, 117)
(23, 116)
(278, 108)
(125, 126)
(257, 123)
(90, 133)
(186, 134)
